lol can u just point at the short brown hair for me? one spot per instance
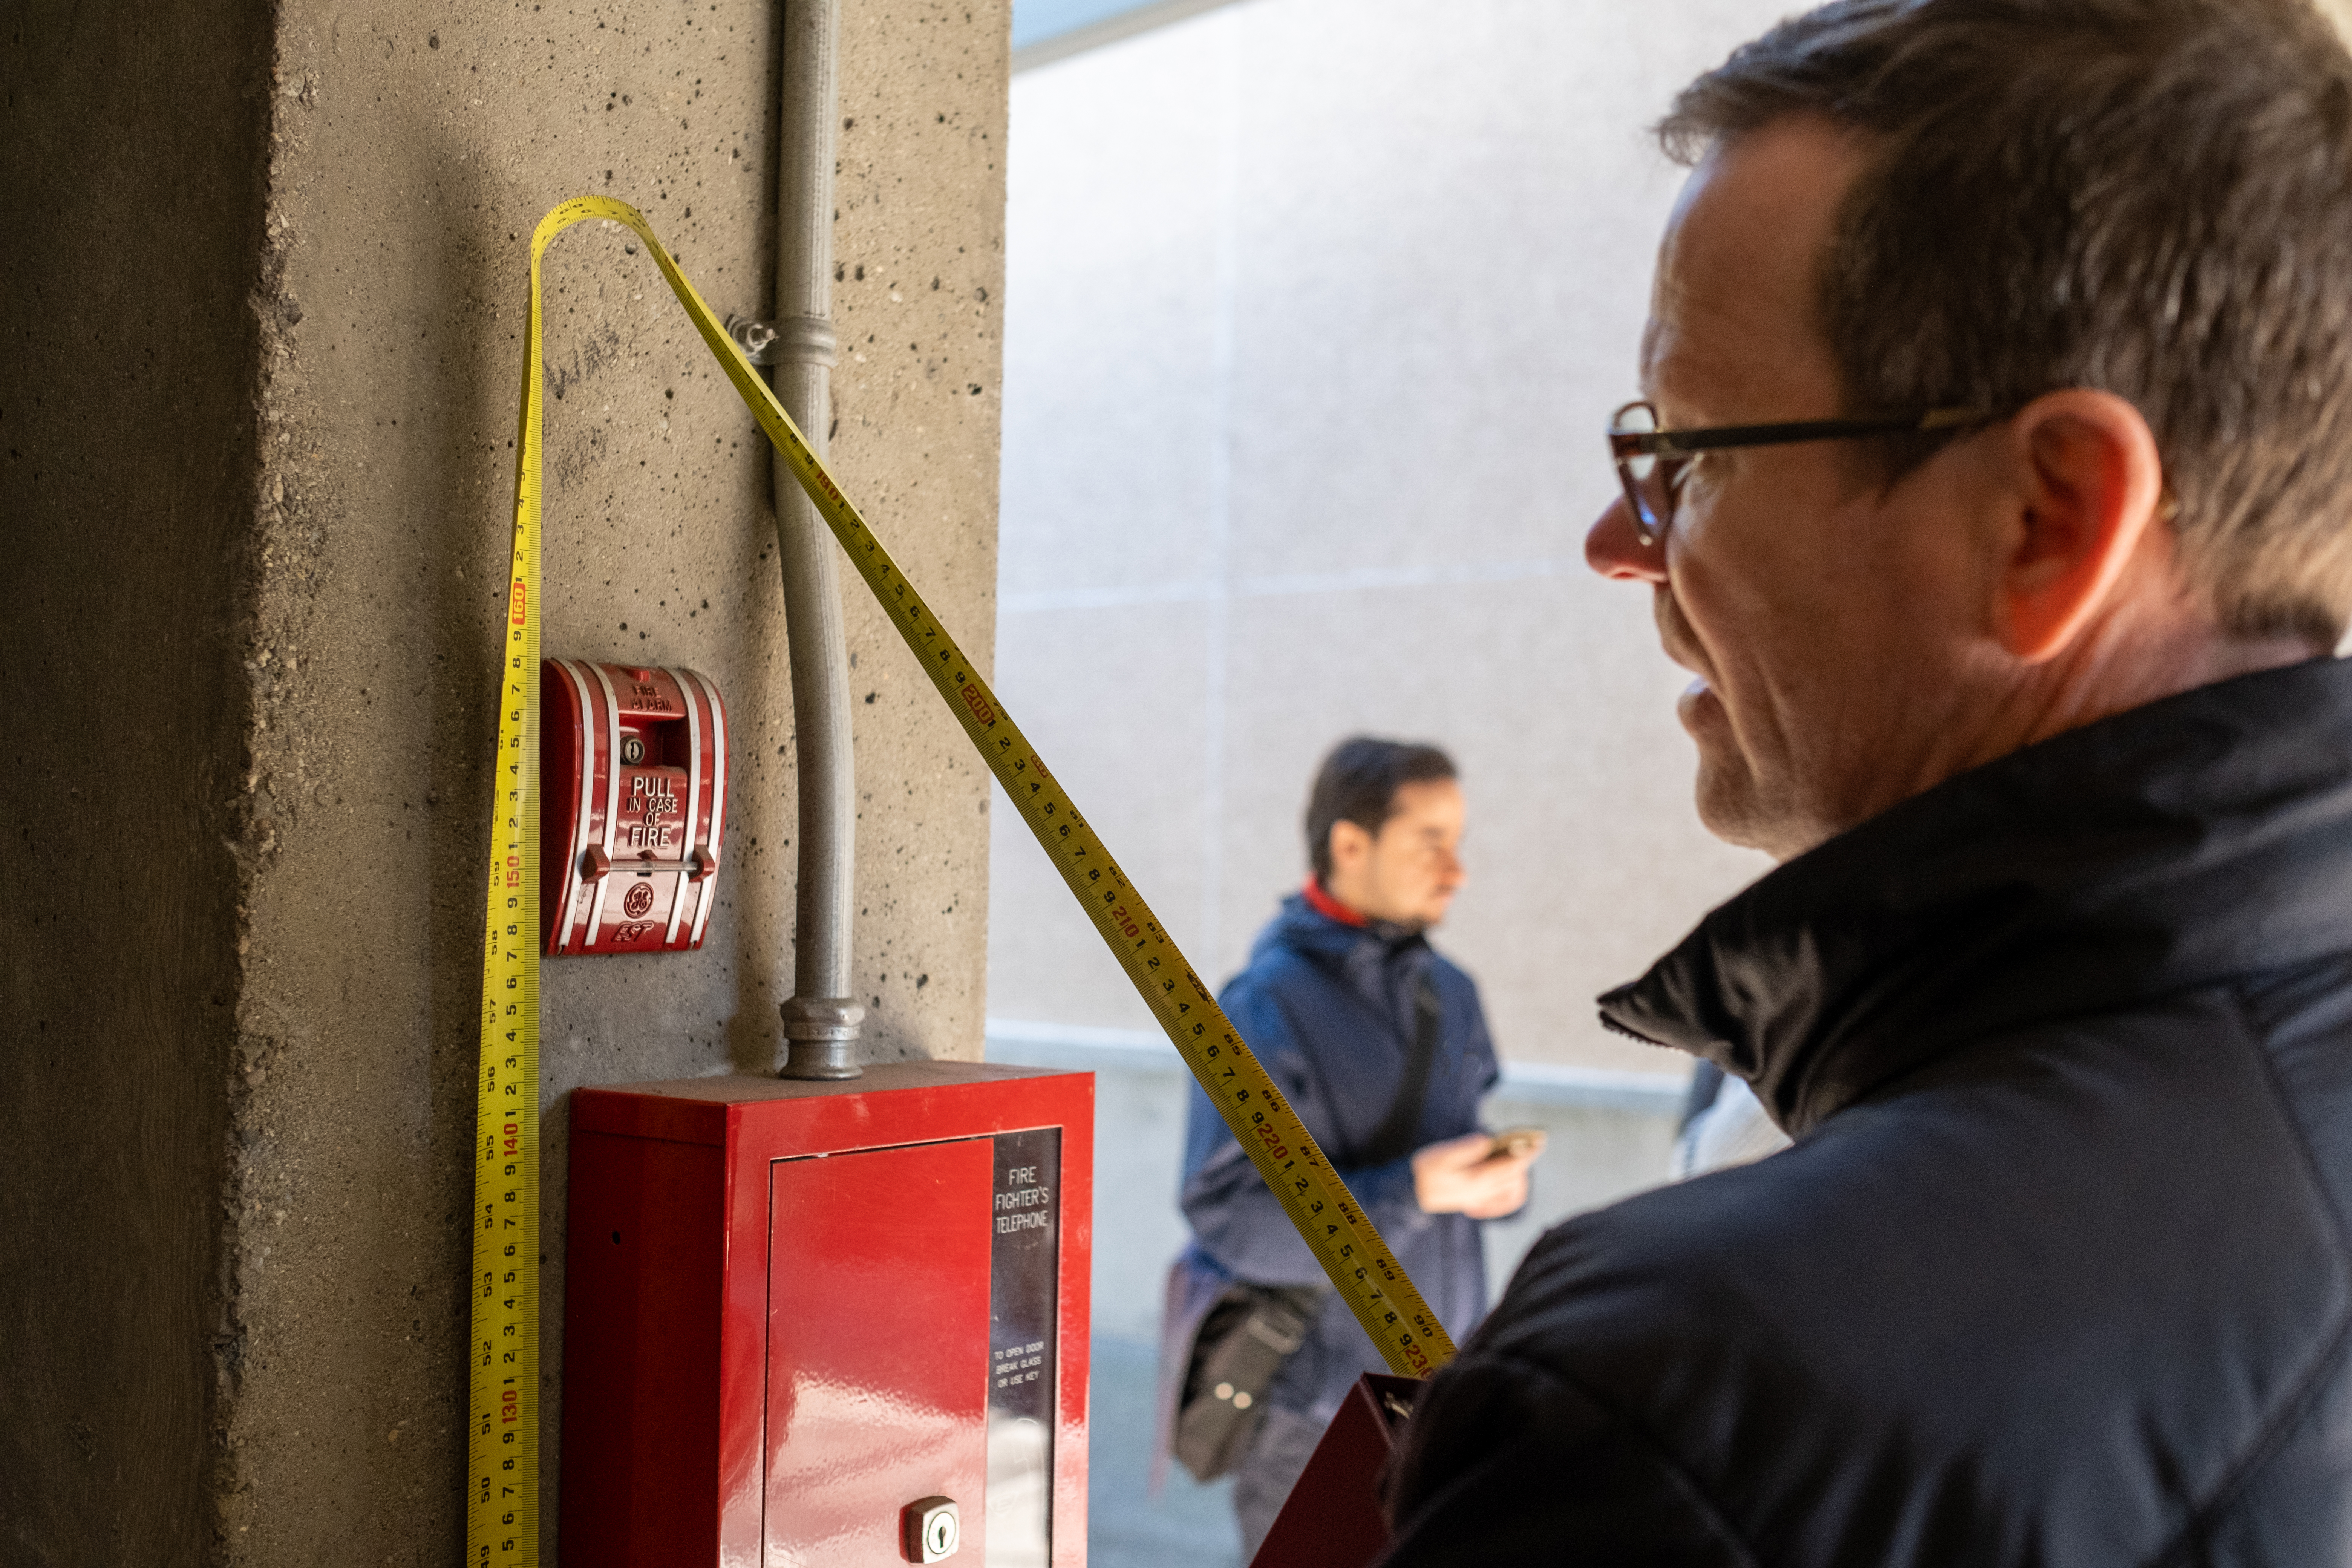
(2153, 197)
(1358, 782)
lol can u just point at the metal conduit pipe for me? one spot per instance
(821, 1020)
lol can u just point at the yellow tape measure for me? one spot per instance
(502, 1521)
(502, 1355)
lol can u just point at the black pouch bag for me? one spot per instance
(1241, 1345)
(1253, 1329)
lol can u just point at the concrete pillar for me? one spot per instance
(264, 334)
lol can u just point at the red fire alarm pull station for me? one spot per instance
(829, 1323)
(633, 768)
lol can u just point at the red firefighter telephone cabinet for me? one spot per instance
(837, 1323)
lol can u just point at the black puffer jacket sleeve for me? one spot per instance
(1507, 1462)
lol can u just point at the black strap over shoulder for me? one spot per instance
(1394, 1139)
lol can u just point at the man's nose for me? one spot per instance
(1614, 548)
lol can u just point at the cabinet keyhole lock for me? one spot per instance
(929, 1530)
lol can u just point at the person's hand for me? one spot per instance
(1458, 1177)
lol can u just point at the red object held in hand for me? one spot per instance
(633, 772)
(1334, 1517)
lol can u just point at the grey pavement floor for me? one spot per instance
(1188, 1525)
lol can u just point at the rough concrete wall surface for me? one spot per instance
(315, 734)
(130, 146)
(418, 145)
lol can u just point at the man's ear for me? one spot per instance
(2092, 483)
(1351, 846)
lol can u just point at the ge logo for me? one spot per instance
(637, 899)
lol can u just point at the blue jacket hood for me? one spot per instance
(1383, 963)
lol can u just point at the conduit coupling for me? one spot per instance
(823, 1037)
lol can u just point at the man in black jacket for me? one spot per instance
(1993, 478)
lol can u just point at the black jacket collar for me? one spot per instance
(2194, 840)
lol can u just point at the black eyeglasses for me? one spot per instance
(1651, 464)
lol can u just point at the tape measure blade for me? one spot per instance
(1065, 835)
(503, 1416)
(1333, 1225)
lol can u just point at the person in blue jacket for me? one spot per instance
(1329, 1003)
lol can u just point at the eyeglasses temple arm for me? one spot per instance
(1677, 443)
